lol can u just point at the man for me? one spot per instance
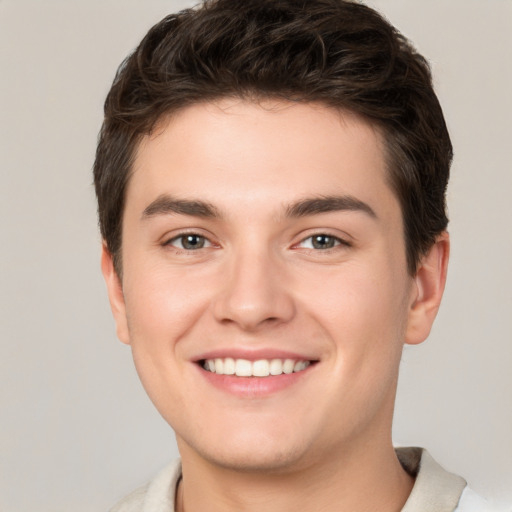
(271, 182)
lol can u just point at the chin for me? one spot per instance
(249, 453)
(256, 461)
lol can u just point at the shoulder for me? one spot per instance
(133, 502)
(157, 495)
(435, 488)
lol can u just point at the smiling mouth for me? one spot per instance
(258, 368)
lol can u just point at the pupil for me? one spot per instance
(323, 242)
(193, 242)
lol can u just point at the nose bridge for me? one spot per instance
(254, 291)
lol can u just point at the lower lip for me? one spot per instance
(254, 387)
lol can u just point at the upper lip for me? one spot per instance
(253, 354)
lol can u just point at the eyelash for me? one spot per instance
(337, 241)
(183, 236)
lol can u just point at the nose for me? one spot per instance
(255, 293)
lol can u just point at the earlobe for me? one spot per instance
(429, 283)
(115, 294)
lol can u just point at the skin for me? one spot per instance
(258, 283)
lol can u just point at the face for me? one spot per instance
(265, 291)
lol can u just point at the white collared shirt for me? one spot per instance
(434, 490)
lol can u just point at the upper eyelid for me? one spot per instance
(184, 232)
(181, 235)
(171, 243)
(344, 239)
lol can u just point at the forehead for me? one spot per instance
(263, 154)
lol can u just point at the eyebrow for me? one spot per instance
(326, 204)
(166, 204)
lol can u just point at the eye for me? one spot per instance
(321, 242)
(189, 242)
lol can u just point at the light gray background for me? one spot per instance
(76, 429)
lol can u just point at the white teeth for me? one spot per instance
(229, 366)
(219, 366)
(243, 368)
(259, 368)
(288, 366)
(300, 365)
(276, 367)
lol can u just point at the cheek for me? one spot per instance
(161, 310)
(358, 295)
(162, 303)
(364, 314)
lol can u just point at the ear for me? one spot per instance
(428, 289)
(115, 294)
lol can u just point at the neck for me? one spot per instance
(357, 480)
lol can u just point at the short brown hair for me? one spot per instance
(337, 52)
